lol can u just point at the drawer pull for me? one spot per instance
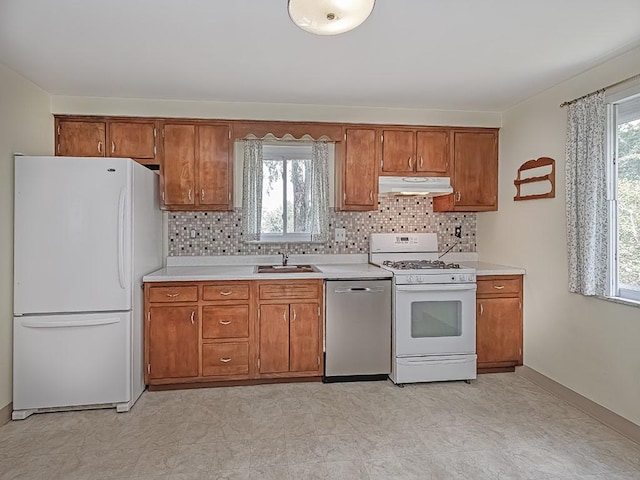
(173, 295)
(498, 287)
(193, 315)
(225, 360)
(225, 322)
(481, 309)
(226, 292)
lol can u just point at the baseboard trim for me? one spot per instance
(5, 414)
(591, 408)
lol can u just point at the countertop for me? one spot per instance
(484, 268)
(331, 267)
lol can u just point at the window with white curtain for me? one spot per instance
(285, 191)
(624, 197)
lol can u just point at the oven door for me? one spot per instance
(435, 319)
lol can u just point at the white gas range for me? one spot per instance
(434, 322)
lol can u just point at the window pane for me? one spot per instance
(628, 186)
(298, 195)
(272, 197)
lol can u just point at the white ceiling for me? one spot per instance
(441, 54)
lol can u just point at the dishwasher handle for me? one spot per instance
(360, 290)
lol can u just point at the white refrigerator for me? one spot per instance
(85, 232)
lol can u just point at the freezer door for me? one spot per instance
(72, 234)
(71, 360)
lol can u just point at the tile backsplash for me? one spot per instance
(220, 233)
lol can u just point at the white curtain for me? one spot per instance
(586, 189)
(318, 218)
(252, 190)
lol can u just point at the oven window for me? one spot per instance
(436, 319)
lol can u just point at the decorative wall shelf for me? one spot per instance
(523, 179)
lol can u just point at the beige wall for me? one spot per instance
(26, 126)
(266, 111)
(586, 344)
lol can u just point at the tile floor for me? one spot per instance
(499, 427)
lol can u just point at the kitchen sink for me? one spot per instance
(286, 269)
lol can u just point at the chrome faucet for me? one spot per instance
(285, 258)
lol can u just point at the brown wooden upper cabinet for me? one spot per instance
(98, 137)
(197, 168)
(133, 140)
(357, 175)
(417, 152)
(475, 172)
(80, 138)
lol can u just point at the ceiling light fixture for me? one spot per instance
(329, 17)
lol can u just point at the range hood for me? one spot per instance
(431, 186)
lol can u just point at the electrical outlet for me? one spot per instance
(193, 234)
(458, 232)
(341, 234)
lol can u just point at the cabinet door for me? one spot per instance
(304, 337)
(173, 340)
(214, 166)
(133, 139)
(80, 139)
(178, 164)
(274, 338)
(476, 169)
(499, 330)
(359, 180)
(398, 151)
(432, 152)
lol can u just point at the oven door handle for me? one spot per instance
(436, 288)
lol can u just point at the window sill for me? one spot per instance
(622, 301)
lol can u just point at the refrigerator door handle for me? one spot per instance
(84, 323)
(121, 238)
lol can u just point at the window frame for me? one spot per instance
(284, 152)
(630, 93)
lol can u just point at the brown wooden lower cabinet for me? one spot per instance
(173, 340)
(207, 332)
(499, 322)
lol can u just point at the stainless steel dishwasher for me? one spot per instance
(358, 330)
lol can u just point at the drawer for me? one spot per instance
(226, 292)
(282, 291)
(173, 294)
(229, 321)
(225, 359)
(498, 286)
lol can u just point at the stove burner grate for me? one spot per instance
(419, 265)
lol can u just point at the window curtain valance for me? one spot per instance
(318, 219)
(586, 195)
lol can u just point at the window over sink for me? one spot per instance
(285, 191)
